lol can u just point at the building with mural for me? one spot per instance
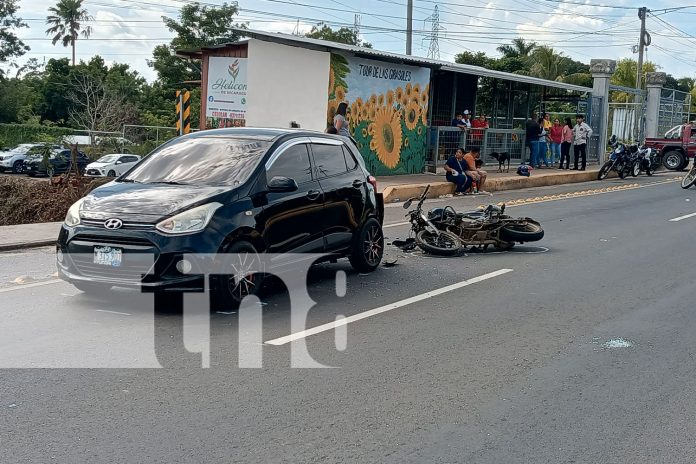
(400, 107)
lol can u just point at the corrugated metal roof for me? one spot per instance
(324, 45)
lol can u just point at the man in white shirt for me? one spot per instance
(581, 136)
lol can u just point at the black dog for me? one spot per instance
(502, 158)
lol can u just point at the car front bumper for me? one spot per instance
(148, 259)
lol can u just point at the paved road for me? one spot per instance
(526, 366)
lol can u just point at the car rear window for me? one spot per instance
(201, 161)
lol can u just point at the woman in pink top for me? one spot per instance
(566, 141)
(555, 135)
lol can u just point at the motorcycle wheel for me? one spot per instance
(636, 169)
(604, 172)
(690, 178)
(444, 244)
(622, 173)
(523, 232)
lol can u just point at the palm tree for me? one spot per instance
(546, 63)
(519, 48)
(65, 23)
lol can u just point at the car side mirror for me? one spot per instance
(282, 184)
(407, 203)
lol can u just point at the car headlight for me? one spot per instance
(73, 217)
(193, 220)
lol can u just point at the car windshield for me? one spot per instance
(108, 159)
(201, 161)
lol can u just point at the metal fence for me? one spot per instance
(674, 110)
(444, 141)
(143, 139)
(623, 118)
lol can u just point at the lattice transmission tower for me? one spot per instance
(433, 37)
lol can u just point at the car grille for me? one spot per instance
(93, 172)
(126, 225)
(138, 257)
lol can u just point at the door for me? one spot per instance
(691, 141)
(343, 183)
(292, 221)
(61, 162)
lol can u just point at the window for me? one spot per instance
(203, 160)
(292, 163)
(350, 159)
(329, 159)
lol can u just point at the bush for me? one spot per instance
(27, 201)
(14, 134)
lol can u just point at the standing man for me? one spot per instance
(581, 136)
(531, 128)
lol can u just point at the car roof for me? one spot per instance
(268, 134)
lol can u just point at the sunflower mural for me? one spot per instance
(387, 120)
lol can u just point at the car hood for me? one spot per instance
(96, 165)
(144, 202)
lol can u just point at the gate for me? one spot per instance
(593, 118)
(674, 110)
(626, 118)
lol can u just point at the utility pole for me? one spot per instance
(642, 43)
(409, 26)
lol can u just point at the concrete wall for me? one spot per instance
(286, 84)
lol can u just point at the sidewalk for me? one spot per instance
(398, 188)
(394, 189)
(29, 235)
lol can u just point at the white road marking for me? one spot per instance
(383, 309)
(396, 224)
(112, 312)
(35, 284)
(680, 218)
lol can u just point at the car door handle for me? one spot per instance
(357, 183)
(313, 194)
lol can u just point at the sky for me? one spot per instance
(128, 30)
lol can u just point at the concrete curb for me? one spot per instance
(396, 193)
(23, 245)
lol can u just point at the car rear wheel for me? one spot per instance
(368, 247)
(674, 160)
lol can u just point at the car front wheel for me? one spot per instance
(18, 167)
(368, 247)
(244, 280)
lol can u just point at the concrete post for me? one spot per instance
(654, 82)
(602, 71)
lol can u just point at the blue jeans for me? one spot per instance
(462, 181)
(555, 152)
(538, 153)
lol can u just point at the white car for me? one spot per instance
(111, 165)
(13, 159)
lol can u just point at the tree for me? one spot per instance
(197, 26)
(545, 63)
(519, 48)
(65, 23)
(10, 45)
(343, 35)
(625, 76)
(475, 59)
(96, 107)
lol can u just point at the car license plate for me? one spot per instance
(107, 256)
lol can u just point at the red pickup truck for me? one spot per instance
(676, 147)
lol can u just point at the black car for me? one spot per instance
(59, 162)
(218, 191)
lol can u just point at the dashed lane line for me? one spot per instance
(33, 284)
(383, 309)
(681, 218)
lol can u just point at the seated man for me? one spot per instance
(478, 175)
(456, 172)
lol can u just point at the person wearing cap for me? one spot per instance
(467, 119)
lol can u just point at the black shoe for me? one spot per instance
(581, 169)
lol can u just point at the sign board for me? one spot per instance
(227, 88)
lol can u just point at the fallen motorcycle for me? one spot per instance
(446, 232)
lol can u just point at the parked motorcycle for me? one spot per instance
(632, 162)
(648, 160)
(481, 229)
(690, 177)
(617, 160)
